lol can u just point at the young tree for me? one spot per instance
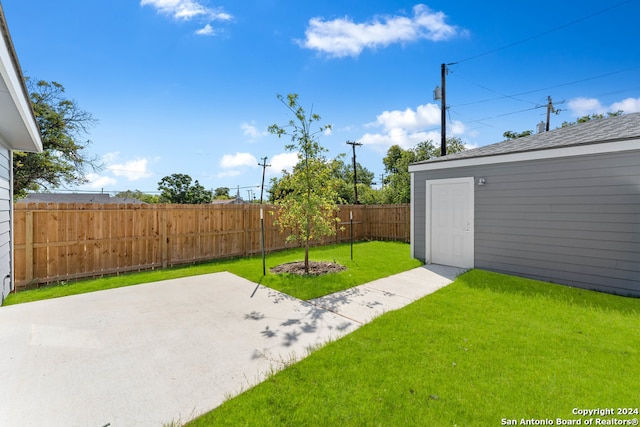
(308, 206)
(63, 125)
(177, 188)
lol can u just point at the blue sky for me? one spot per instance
(189, 86)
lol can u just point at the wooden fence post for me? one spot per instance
(28, 246)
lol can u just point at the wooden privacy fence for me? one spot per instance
(55, 242)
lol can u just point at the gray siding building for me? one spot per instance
(561, 206)
(18, 131)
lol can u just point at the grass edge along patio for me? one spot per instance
(487, 349)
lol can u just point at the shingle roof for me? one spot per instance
(626, 126)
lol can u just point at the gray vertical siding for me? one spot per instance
(6, 251)
(573, 220)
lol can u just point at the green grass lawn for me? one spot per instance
(486, 348)
(371, 260)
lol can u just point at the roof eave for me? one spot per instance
(23, 136)
(600, 147)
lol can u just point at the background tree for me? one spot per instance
(588, 117)
(308, 204)
(221, 193)
(63, 126)
(396, 163)
(515, 135)
(139, 195)
(343, 173)
(177, 188)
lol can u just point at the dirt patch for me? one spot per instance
(315, 268)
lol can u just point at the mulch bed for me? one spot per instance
(315, 268)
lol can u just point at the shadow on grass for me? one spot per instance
(506, 284)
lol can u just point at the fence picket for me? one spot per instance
(55, 242)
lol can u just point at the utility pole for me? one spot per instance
(441, 94)
(549, 110)
(382, 180)
(355, 174)
(443, 111)
(264, 167)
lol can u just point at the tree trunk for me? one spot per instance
(306, 251)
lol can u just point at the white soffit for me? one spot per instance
(17, 124)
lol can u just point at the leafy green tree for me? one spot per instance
(139, 195)
(514, 135)
(177, 188)
(588, 117)
(343, 173)
(308, 205)
(63, 126)
(398, 181)
(221, 193)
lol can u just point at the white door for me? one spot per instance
(450, 232)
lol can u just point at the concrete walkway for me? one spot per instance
(167, 351)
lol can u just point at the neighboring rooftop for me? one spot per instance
(619, 128)
(76, 198)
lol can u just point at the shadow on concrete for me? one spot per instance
(310, 321)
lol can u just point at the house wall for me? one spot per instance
(5, 222)
(572, 220)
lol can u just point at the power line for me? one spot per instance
(544, 33)
(543, 89)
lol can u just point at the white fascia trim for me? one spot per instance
(11, 77)
(412, 219)
(551, 153)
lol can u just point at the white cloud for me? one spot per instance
(238, 160)
(406, 128)
(424, 116)
(250, 130)
(283, 161)
(133, 170)
(187, 9)
(343, 37)
(207, 30)
(457, 127)
(583, 106)
(629, 105)
(586, 106)
(382, 141)
(99, 181)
